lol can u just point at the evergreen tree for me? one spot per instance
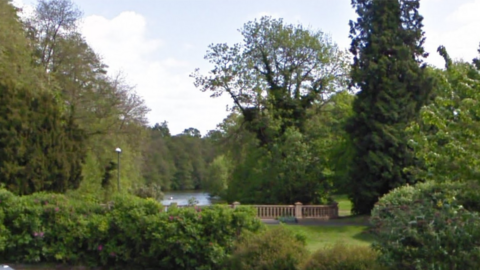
(40, 148)
(387, 44)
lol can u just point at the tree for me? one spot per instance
(276, 74)
(274, 77)
(445, 136)
(387, 44)
(192, 132)
(106, 109)
(158, 165)
(40, 148)
(52, 20)
(163, 129)
(217, 178)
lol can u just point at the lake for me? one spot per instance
(182, 197)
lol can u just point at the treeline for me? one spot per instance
(177, 162)
(62, 115)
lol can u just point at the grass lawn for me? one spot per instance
(350, 230)
(344, 205)
(321, 236)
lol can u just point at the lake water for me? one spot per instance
(182, 197)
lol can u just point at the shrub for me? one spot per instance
(426, 227)
(132, 233)
(153, 191)
(5, 198)
(276, 249)
(342, 257)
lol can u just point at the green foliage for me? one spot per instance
(332, 147)
(177, 162)
(153, 191)
(275, 77)
(40, 148)
(445, 136)
(275, 249)
(343, 257)
(387, 44)
(129, 233)
(218, 176)
(426, 227)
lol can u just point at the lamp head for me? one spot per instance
(118, 150)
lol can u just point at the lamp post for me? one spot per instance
(118, 150)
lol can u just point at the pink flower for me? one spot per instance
(171, 218)
(56, 209)
(41, 234)
(112, 254)
(35, 234)
(100, 247)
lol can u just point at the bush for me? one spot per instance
(5, 199)
(426, 227)
(131, 233)
(342, 257)
(276, 249)
(153, 191)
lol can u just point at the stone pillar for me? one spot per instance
(298, 210)
(235, 205)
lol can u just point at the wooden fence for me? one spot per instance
(298, 210)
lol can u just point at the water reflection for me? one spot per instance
(182, 197)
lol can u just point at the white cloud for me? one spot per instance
(188, 46)
(466, 13)
(461, 38)
(163, 83)
(26, 9)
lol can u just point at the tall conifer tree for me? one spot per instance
(40, 148)
(387, 44)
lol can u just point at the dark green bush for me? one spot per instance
(131, 233)
(342, 257)
(426, 227)
(271, 249)
(5, 198)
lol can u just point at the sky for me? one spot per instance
(157, 44)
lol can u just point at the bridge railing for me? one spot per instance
(298, 210)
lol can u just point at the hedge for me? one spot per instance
(133, 233)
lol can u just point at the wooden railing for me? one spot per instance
(297, 211)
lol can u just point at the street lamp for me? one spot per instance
(118, 150)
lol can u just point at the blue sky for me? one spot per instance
(156, 44)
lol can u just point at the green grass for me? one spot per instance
(354, 232)
(321, 236)
(344, 205)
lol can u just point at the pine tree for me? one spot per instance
(387, 44)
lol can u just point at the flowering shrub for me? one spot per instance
(131, 233)
(426, 227)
